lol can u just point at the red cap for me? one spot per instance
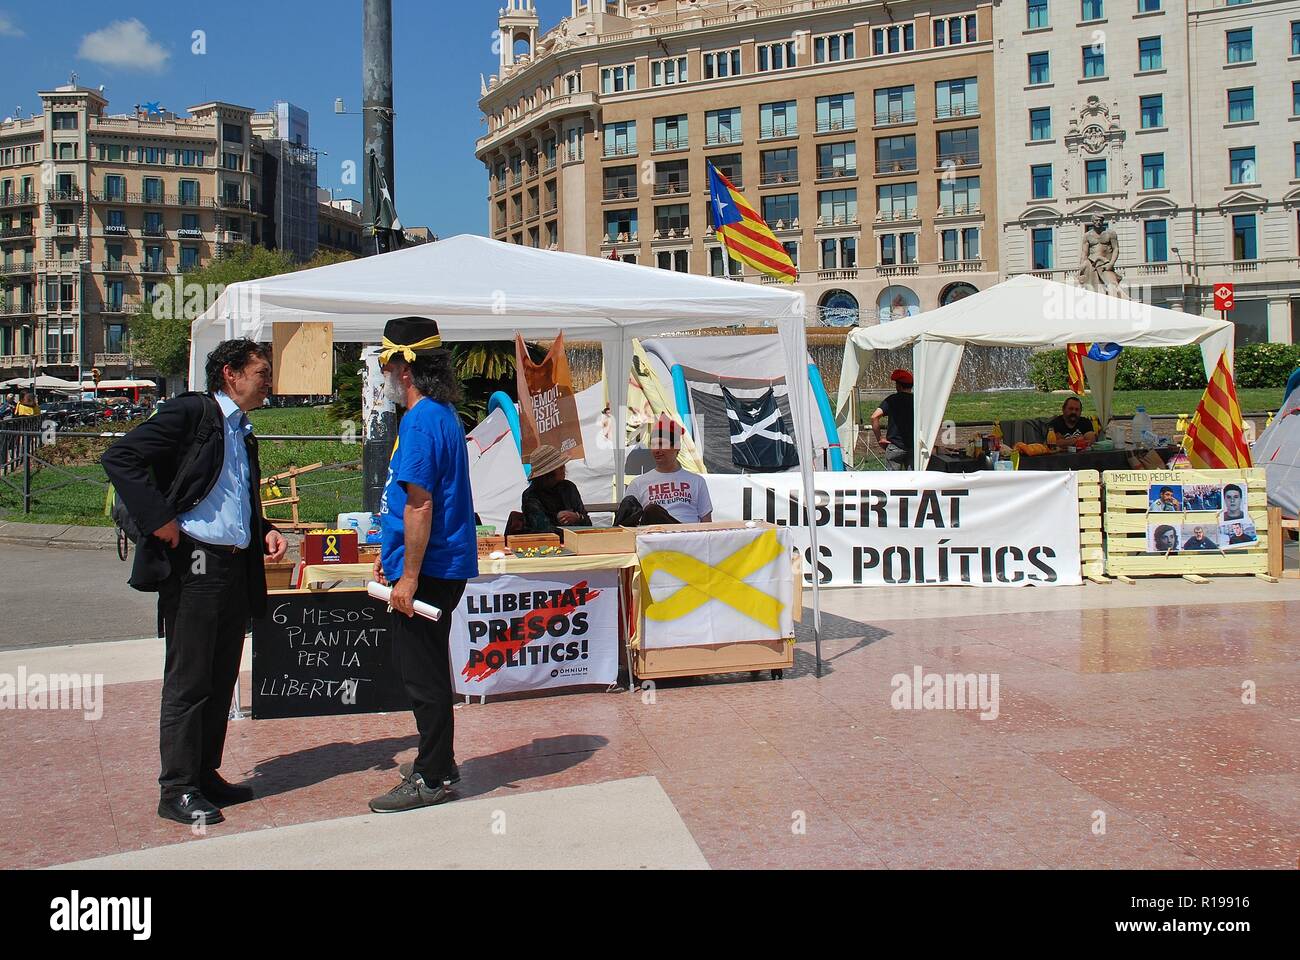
(901, 376)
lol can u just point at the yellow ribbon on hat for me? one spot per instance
(407, 351)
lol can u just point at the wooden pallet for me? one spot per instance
(1278, 526)
(1090, 533)
(292, 475)
(1125, 494)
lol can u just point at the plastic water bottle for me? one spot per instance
(1144, 434)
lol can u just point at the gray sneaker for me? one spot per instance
(410, 794)
(449, 778)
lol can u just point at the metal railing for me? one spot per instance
(771, 178)
(19, 199)
(896, 165)
(667, 187)
(836, 173)
(895, 116)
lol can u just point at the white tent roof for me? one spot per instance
(1027, 311)
(43, 382)
(481, 289)
(1024, 311)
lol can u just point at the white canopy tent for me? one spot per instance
(1024, 311)
(481, 289)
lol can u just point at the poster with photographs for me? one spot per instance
(1165, 498)
(1234, 503)
(1237, 534)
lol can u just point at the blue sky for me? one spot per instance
(307, 53)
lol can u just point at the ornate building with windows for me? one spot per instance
(1175, 120)
(862, 131)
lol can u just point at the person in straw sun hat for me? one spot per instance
(551, 501)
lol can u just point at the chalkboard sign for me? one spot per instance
(324, 654)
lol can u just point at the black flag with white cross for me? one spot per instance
(759, 439)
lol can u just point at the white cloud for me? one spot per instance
(126, 44)
(8, 28)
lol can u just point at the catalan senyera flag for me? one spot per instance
(1074, 354)
(745, 234)
(1214, 438)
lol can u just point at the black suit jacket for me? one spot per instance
(166, 467)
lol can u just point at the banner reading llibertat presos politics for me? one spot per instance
(535, 632)
(992, 528)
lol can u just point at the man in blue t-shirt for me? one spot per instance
(430, 547)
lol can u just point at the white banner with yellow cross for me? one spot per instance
(715, 586)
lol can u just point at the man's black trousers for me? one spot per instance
(205, 616)
(421, 648)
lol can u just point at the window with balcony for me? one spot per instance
(1241, 165)
(779, 166)
(896, 154)
(722, 126)
(1241, 104)
(115, 221)
(1091, 10)
(729, 165)
(959, 245)
(721, 63)
(1094, 60)
(673, 219)
(1241, 45)
(115, 188)
(232, 161)
(839, 253)
(153, 190)
(1094, 175)
(1243, 237)
(959, 148)
(778, 120)
(573, 145)
(837, 206)
(1155, 237)
(1150, 54)
(896, 249)
(1040, 123)
(895, 105)
(190, 225)
(189, 258)
(1043, 253)
(153, 224)
(782, 208)
(833, 48)
(956, 98)
(959, 196)
(1151, 111)
(153, 259)
(777, 56)
(836, 112)
(114, 253)
(952, 31)
(549, 146)
(671, 177)
(1038, 68)
(898, 38)
(1153, 171)
(896, 201)
(1036, 14)
(620, 139)
(671, 133)
(1040, 181)
(837, 160)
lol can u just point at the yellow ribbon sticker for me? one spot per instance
(331, 546)
(724, 583)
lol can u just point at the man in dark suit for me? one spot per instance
(189, 479)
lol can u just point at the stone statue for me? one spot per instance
(1100, 254)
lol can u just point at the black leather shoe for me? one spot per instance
(448, 778)
(227, 794)
(189, 808)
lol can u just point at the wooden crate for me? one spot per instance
(1126, 518)
(1090, 533)
(597, 540)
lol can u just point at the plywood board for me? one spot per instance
(304, 359)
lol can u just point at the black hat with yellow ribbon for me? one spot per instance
(409, 338)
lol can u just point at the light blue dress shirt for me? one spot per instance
(224, 517)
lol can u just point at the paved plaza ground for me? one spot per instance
(1121, 740)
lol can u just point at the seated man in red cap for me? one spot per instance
(897, 441)
(668, 493)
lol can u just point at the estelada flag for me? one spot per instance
(744, 233)
(548, 411)
(1214, 437)
(1074, 362)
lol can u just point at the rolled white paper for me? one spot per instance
(381, 592)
